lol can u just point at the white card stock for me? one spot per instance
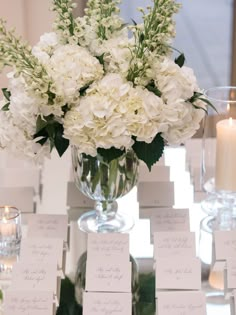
(225, 244)
(28, 302)
(48, 225)
(108, 276)
(156, 194)
(108, 245)
(33, 276)
(178, 274)
(107, 303)
(180, 244)
(170, 220)
(42, 250)
(181, 303)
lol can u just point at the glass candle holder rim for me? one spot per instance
(218, 88)
(16, 213)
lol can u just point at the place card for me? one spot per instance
(225, 245)
(34, 276)
(20, 197)
(75, 198)
(233, 303)
(231, 273)
(48, 226)
(158, 173)
(178, 274)
(170, 220)
(148, 212)
(181, 303)
(108, 245)
(43, 250)
(181, 244)
(28, 302)
(159, 194)
(107, 303)
(108, 276)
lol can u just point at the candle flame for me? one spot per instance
(228, 108)
(4, 220)
(230, 121)
(6, 209)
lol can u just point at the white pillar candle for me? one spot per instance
(225, 172)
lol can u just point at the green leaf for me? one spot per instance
(134, 22)
(83, 90)
(61, 144)
(180, 60)
(40, 124)
(101, 59)
(110, 154)
(152, 88)
(141, 37)
(149, 153)
(7, 94)
(5, 108)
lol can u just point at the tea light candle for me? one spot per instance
(225, 171)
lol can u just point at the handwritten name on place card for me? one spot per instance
(28, 303)
(109, 245)
(181, 303)
(48, 225)
(170, 220)
(34, 276)
(174, 244)
(42, 250)
(225, 244)
(108, 276)
(107, 303)
(182, 274)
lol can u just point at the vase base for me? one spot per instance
(91, 222)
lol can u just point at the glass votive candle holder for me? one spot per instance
(10, 229)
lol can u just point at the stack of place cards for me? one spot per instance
(40, 267)
(181, 303)
(177, 267)
(177, 270)
(108, 275)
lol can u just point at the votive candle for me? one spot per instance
(225, 171)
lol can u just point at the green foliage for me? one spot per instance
(149, 153)
(49, 129)
(110, 154)
(180, 60)
(200, 96)
(152, 88)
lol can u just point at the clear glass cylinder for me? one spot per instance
(10, 229)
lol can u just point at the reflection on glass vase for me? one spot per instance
(104, 182)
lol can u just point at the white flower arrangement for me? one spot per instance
(92, 85)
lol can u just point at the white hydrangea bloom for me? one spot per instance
(177, 86)
(111, 113)
(72, 67)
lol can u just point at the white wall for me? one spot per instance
(31, 18)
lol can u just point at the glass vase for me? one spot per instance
(104, 182)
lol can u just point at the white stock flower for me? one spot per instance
(45, 47)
